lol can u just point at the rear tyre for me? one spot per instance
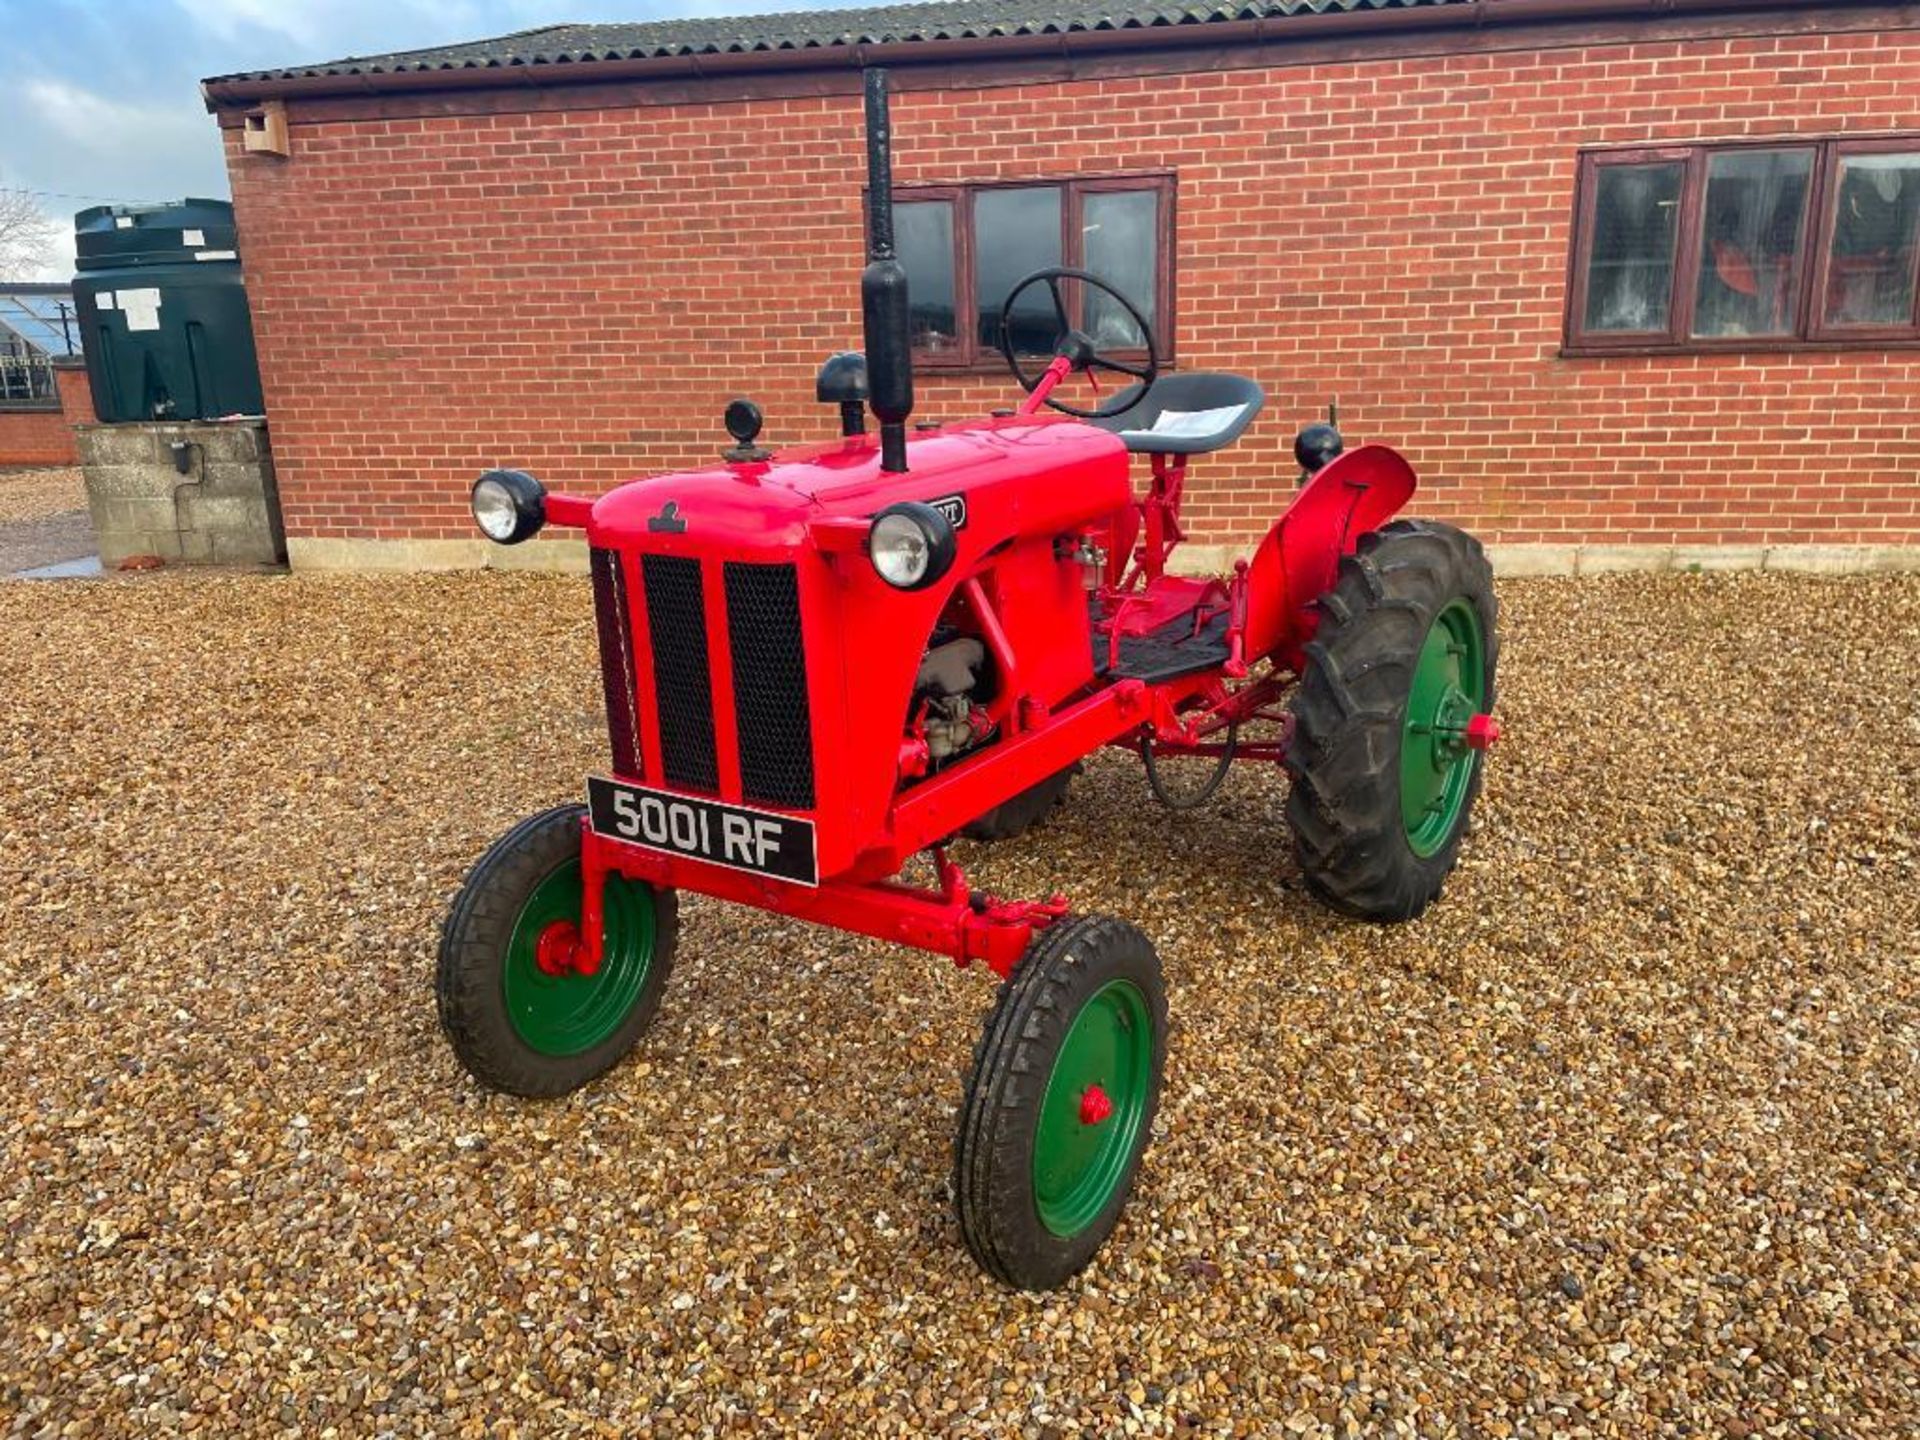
(1024, 811)
(519, 1018)
(1065, 1083)
(1383, 781)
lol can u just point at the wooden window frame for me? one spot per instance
(1587, 205)
(1818, 328)
(1809, 332)
(969, 354)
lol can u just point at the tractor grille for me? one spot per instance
(615, 622)
(769, 685)
(677, 626)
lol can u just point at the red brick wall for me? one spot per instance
(581, 292)
(45, 437)
(76, 395)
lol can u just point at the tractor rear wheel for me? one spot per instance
(1024, 811)
(1065, 1082)
(519, 1005)
(1384, 767)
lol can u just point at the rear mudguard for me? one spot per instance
(1297, 561)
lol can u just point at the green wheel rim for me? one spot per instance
(1436, 765)
(1077, 1166)
(570, 1013)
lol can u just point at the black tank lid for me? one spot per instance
(113, 236)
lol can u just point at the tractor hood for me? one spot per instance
(1015, 475)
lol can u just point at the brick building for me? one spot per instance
(1634, 276)
(39, 340)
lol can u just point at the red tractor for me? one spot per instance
(824, 662)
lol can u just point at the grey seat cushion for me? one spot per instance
(1188, 413)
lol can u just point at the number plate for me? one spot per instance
(757, 841)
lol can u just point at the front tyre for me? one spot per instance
(1065, 1083)
(516, 1002)
(1383, 762)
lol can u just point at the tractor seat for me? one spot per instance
(1187, 414)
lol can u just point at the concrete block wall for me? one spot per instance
(224, 510)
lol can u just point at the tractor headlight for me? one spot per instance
(509, 506)
(911, 545)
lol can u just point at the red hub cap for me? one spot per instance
(558, 951)
(1094, 1106)
(1482, 732)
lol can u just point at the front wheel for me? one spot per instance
(518, 1001)
(1390, 720)
(1062, 1097)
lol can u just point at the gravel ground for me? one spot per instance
(1620, 1139)
(43, 519)
(28, 545)
(38, 494)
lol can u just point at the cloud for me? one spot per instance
(229, 19)
(329, 29)
(99, 124)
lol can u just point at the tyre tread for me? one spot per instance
(1344, 758)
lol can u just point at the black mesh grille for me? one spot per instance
(677, 627)
(770, 685)
(616, 659)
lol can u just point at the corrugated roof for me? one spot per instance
(42, 315)
(801, 30)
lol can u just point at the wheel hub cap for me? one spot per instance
(1094, 1106)
(558, 951)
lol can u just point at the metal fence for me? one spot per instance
(26, 379)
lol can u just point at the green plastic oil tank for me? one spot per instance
(163, 312)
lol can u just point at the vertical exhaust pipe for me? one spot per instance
(883, 290)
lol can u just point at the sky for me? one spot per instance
(100, 99)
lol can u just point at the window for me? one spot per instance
(1869, 275)
(965, 247)
(1742, 246)
(1752, 222)
(923, 236)
(1630, 267)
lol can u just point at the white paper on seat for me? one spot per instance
(1189, 424)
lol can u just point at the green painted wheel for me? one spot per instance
(554, 1007)
(1061, 1101)
(524, 1009)
(1091, 1116)
(1436, 765)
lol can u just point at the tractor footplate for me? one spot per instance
(1167, 653)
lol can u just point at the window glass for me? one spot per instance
(923, 236)
(1750, 242)
(1870, 274)
(1119, 242)
(1016, 232)
(1630, 267)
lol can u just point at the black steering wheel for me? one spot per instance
(1078, 347)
